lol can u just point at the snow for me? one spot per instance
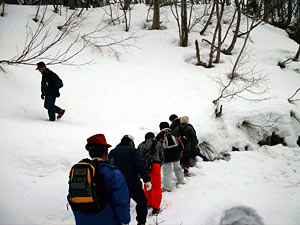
(152, 79)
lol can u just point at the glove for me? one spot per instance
(42, 97)
(148, 186)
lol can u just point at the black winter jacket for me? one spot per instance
(172, 154)
(51, 83)
(128, 159)
(188, 135)
(175, 124)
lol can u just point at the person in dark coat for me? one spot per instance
(188, 136)
(172, 159)
(50, 86)
(175, 121)
(128, 159)
(153, 156)
(117, 209)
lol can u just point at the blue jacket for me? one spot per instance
(128, 159)
(117, 209)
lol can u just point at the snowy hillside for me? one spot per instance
(152, 79)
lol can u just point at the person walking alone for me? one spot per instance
(51, 83)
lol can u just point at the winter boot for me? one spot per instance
(186, 172)
(61, 113)
(177, 183)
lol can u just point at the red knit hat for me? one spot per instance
(96, 139)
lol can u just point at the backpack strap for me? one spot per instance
(180, 142)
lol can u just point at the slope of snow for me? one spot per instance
(152, 79)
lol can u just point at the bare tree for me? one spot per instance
(56, 4)
(219, 30)
(209, 19)
(239, 81)
(185, 23)
(126, 5)
(181, 23)
(156, 15)
(197, 53)
(39, 43)
(35, 19)
(267, 10)
(2, 2)
(229, 27)
(113, 13)
(199, 62)
(126, 13)
(237, 28)
(184, 28)
(72, 4)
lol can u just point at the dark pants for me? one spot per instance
(137, 193)
(52, 108)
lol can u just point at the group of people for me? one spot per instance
(125, 166)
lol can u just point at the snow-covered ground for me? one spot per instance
(152, 79)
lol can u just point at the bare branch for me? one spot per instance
(241, 80)
(209, 19)
(293, 100)
(38, 44)
(297, 54)
(293, 114)
(271, 122)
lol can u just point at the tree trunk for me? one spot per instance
(237, 28)
(156, 15)
(197, 53)
(127, 4)
(267, 10)
(290, 14)
(35, 19)
(72, 4)
(218, 56)
(209, 19)
(56, 3)
(297, 54)
(3, 8)
(211, 54)
(184, 27)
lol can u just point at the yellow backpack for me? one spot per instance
(87, 191)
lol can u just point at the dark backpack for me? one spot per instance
(182, 134)
(87, 192)
(147, 154)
